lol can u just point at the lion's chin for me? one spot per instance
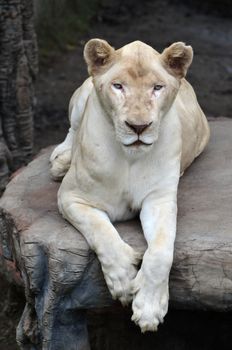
(138, 143)
(137, 148)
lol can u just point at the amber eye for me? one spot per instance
(158, 87)
(117, 86)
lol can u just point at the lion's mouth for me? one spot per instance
(138, 143)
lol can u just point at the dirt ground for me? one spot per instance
(158, 23)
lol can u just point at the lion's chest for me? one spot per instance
(110, 180)
(143, 178)
(115, 185)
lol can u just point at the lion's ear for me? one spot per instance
(97, 53)
(177, 59)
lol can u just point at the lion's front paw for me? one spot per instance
(150, 303)
(119, 270)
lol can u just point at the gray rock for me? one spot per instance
(63, 277)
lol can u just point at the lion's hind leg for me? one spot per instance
(60, 158)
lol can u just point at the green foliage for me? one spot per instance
(60, 23)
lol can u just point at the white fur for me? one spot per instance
(108, 181)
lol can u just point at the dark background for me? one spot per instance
(62, 31)
(206, 25)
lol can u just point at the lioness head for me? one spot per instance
(136, 86)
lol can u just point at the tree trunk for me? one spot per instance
(18, 69)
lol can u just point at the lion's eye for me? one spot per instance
(118, 86)
(158, 87)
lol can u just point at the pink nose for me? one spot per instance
(138, 129)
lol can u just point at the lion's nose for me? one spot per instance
(138, 129)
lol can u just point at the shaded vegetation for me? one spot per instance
(60, 23)
(216, 7)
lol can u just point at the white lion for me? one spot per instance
(135, 127)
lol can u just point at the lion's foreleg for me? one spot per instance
(150, 301)
(118, 259)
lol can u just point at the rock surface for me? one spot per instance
(63, 278)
